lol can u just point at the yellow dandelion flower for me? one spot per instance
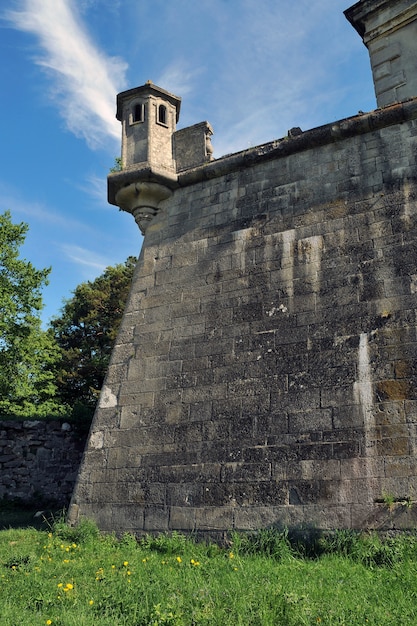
(66, 561)
(113, 567)
(179, 559)
(70, 586)
(74, 545)
(125, 563)
(231, 555)
(60, 585)
(91, 602)
(48, 622)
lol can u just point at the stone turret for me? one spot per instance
(149, 116)
(153, 151)
(389, 31)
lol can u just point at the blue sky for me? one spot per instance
(252, 68)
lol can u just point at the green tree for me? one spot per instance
(27, 353)
(85, 331)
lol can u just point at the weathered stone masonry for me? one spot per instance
(265, 370)
(39, 461)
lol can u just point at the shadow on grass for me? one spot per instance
(16, 514)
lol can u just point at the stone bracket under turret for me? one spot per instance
(142, 199)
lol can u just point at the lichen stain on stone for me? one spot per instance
(393, 390)
(389, 414)
(393, 446)
(408, 214)
(402, 369)
(310, 251)
(97, 440)
(338, 208)
(413, 283)
(108, 400)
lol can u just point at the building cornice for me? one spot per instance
(379, 18)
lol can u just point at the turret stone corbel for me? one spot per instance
(142, 199)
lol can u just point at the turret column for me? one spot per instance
(389, 31)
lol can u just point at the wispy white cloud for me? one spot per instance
(91, 262)
(178, 77)
(85, 80)
(36, 212)
(96, 188)
(274, 65)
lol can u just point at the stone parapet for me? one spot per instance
(323, 135)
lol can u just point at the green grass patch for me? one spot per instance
(79, 577)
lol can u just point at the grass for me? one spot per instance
(78, 577)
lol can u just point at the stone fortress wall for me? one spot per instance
(39, 461)
(265, 370)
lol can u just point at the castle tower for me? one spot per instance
(153, 151)
(389, 31)
(149, 116)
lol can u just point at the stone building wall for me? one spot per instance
(39, 461)
(265, 370)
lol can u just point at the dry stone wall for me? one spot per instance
(39, 461)
(265, 370)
